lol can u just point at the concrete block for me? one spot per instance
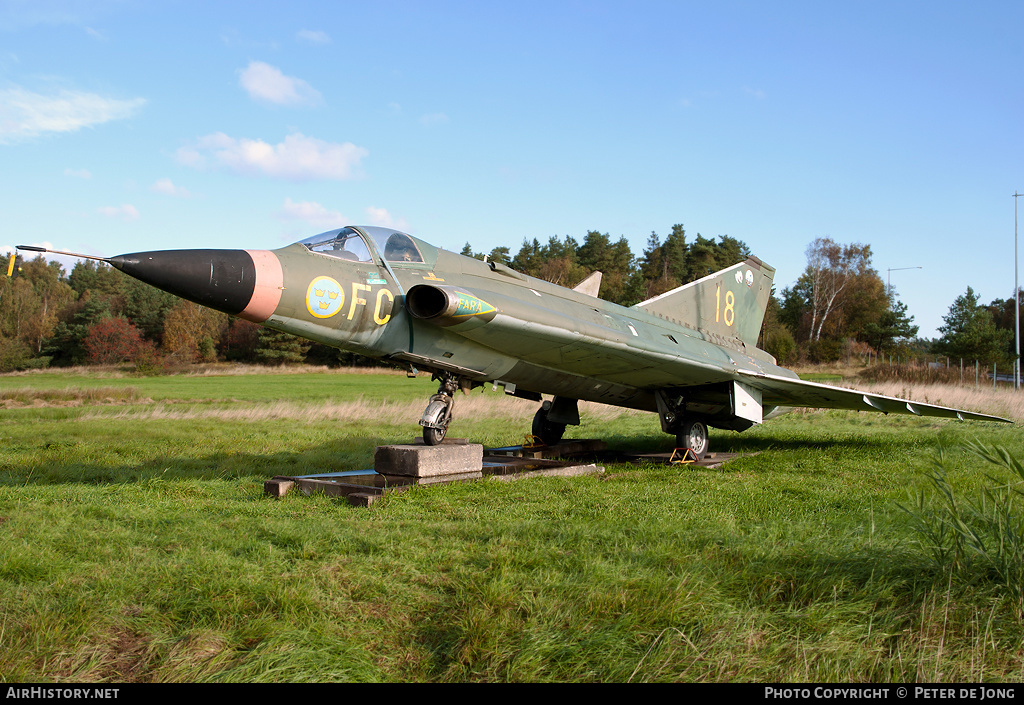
(428, 461)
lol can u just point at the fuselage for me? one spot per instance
(352, 288)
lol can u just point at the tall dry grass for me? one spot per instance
(476, 406)
(70, 396)
(927, 385)
(1001, 401)
(233, 369)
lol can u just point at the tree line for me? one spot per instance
(627, 279)
(97, 315)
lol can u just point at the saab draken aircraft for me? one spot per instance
(688, 355)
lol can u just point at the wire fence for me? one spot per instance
(937, 369)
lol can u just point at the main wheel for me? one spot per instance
(550, 433)
(694, 435)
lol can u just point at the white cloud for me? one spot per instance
(167, 187)
(434, 119)
(125, 212)
(310, 36)
(266, 83)
(78, 173)
(297, 158)
(316, 214)
(191, 156)
(381, 217)
(24, 114)
(311, 212)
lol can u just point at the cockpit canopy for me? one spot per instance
(351, 243)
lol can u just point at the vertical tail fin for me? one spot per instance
(591, 286)
(729, 304)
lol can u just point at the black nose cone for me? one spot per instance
(220, 279)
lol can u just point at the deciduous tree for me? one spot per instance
(831, 268)
(192, 332)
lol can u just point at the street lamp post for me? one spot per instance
(888, 282)
(1016, 297)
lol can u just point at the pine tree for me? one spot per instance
(893, 325)
(970, 332)
(277, 348)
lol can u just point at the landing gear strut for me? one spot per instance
(438, 413)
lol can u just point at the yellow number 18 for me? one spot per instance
(728, 314)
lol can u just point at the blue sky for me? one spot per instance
(130, 125)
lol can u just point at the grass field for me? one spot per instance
(136, 545)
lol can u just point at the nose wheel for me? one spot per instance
(433, 435)
(438, 413)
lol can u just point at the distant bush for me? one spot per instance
(14, 355)
(825, 350)
(779, 344)
(149, 362)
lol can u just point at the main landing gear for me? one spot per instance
(545, 429)
(689, 430)
(693, 435)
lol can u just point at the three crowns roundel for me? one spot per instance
(325, 297)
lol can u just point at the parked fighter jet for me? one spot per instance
(689, 355)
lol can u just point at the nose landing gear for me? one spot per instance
(438, 413)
